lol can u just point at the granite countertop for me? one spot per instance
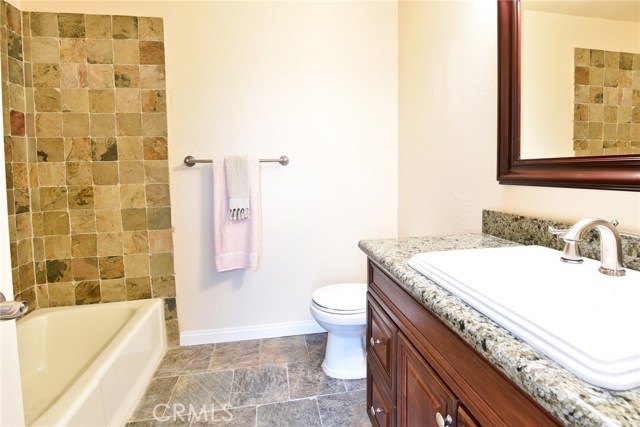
(571, 400)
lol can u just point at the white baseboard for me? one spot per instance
(212, 336)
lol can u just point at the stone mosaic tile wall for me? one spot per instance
(606, 103)
(84, 109)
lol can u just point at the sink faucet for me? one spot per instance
(610, 244)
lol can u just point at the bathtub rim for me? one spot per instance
(68, 404)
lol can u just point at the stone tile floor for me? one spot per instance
(272, 382)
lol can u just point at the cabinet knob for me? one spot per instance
(443, 422)
(375, 342)
(375, 411)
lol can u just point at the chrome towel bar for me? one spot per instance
(191, 161)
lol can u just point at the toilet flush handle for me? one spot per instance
(375, 342)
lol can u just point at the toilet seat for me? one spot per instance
(343, 298)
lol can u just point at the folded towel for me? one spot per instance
(237, 175)
(237, 243)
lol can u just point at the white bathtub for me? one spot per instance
(89, 365)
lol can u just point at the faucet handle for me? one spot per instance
(557, 231)
(571, 252)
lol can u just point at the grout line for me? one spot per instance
(319, 414)
(233, 381)
(170, 396)
(288, 384)
(256, 423)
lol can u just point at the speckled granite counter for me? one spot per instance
(571, 400)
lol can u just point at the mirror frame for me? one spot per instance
(604, 173)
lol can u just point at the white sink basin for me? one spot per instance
(586, 321)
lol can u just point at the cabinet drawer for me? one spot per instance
(380, 406)
(381, 333)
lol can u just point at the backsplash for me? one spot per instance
(85, 141)
(533, 231)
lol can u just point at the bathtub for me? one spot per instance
(89, 365)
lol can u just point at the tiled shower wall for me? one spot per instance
(85, 139)
(606, 103)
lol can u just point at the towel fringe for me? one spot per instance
(239, 213)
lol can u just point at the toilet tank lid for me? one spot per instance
(342, 296)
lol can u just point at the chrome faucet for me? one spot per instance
(610, 244)
(10, 310)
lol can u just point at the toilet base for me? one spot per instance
(345, 357)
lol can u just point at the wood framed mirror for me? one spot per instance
(610, 172)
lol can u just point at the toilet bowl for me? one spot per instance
(341, 310)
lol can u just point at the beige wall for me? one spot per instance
(548, 41)
(447, 129)
(316, 81)
(447, 114)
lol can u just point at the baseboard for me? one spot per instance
(212, 336)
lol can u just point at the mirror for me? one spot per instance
(580, 68)
(613, 172)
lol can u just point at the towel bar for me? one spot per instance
(191, 161)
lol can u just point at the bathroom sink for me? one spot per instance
(584, 320)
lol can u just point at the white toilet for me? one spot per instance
(341, 310)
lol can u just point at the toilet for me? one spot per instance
(341, 310)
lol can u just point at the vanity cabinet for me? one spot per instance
(420, 372)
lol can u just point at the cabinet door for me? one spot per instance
(464, 418)
(421, 395)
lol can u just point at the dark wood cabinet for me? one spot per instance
(382, 333)
(464, 418)
(421, 373)
(381, 344)
(421, 394)
(380, 404)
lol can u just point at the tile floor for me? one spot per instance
(274, 382)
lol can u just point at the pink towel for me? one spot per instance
(237, 243)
